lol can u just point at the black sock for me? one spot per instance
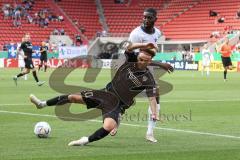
(45, 68)
(20, 74)
(99, 134)
(225, 74)
(39, 67)
(35, 76)
(59, 100)
(157, 99)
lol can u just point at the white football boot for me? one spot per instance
(81, 142)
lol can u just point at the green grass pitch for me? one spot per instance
(200, 121)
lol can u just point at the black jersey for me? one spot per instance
(129, 81)
(27, 49)
(44, 51)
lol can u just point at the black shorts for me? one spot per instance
(43, 58)
(107, 102)
(28, 63)
(226, 61)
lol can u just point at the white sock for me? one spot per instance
(208, 73)
(151, 123)
(43, 104)
(202, 70)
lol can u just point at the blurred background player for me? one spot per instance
(26, 47)
(20, 58)
(147, 33)
(226, 51)
(43, 56)
(206, 59)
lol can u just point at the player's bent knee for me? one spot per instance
(109, 124)
(73, 98)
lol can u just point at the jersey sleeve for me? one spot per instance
(134, 37)
(151, 91)
(151, 87)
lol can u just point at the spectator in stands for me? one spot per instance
(5, 47)
(104, 33)
(78, 40)
(98, 34)
(61, 31)
(221, 19)
(52, 16)
(29, 19)
(82, 29)
(213, 13)
(215, 34)
(60, 18)
(6, 11)
(119, 1)
(238, 14)
(55, 31)
(35, 18)
(46, 22)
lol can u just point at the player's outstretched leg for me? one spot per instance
(15, 78)
(38, 103)
(59, 100)
(108, 125)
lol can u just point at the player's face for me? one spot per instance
(148, 19)
(27, 38)
(143, 60)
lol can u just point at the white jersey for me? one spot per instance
(139, 36)
(206, 57)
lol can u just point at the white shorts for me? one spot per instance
(21, 63)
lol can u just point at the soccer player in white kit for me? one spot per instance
(206, 60)
(147, 33)
(21, 63)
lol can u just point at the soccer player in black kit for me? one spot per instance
(26, 46)
(130, 79)
(43, 57)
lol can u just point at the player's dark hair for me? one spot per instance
(149, 52)
(151, 10)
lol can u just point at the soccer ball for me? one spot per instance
(42, 130)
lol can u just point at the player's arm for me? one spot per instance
(167, 67)
(42, 49)
(133, 46)
(153, 107)
(20, 53)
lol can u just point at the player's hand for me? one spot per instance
(154, 117)
(151, 46)
(167, 67)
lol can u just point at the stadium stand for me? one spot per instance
(196, 22)
(10, 33)
(178, 19)
(84, 12)
(130, 14)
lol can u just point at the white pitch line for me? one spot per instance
(134, 125)
(166, 101)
